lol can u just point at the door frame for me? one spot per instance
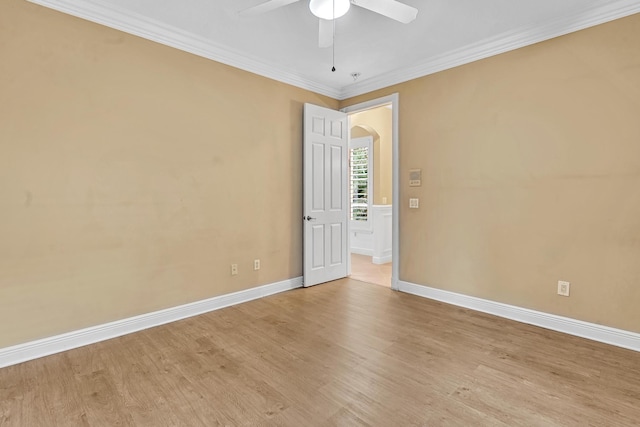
(392, 99)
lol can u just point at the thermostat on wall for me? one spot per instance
(415, 177)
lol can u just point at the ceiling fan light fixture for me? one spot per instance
(324, 8)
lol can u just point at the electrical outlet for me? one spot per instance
(563, 288)
(414, 203)
(256, 264)
(234, 269)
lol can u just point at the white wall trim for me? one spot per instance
(382, 259)
(592, 331)
(58, 343)
(505, 42)
(361, 251)
(382, 233)
(132, 23)
(360, 230)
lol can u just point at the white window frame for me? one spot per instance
(366, 141)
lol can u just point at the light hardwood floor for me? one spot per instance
(340, 354)
(366, 271)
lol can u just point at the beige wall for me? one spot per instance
(130, 178)
(377, 123)
(132, 175)
(531, 174)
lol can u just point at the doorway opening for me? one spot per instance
(372, 240)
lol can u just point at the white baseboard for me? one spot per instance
(381, 259)
(58, 343)
(592, 331)
(362, 251)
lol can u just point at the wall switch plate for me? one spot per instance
(563, 288)
(415, 177)
(256, 264)
(234, 269)
(414, 203)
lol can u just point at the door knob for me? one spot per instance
(308, 218)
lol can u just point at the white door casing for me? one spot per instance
(325, 211)
(392, 99)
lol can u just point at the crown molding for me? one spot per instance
(505, 42)
(150, 29)
(132, 23)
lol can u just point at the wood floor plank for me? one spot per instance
(343, 353)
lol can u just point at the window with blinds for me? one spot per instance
(359, 183)
(360, 180)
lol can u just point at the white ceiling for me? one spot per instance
(283, 44)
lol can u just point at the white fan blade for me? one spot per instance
(390, 8)
(265, 7)
(325, 33)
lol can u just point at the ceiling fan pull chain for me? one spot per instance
(333, 40)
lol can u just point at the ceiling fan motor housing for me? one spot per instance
(329, 9)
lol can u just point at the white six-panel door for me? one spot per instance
(325, 212)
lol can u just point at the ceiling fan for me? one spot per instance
(328, 10)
